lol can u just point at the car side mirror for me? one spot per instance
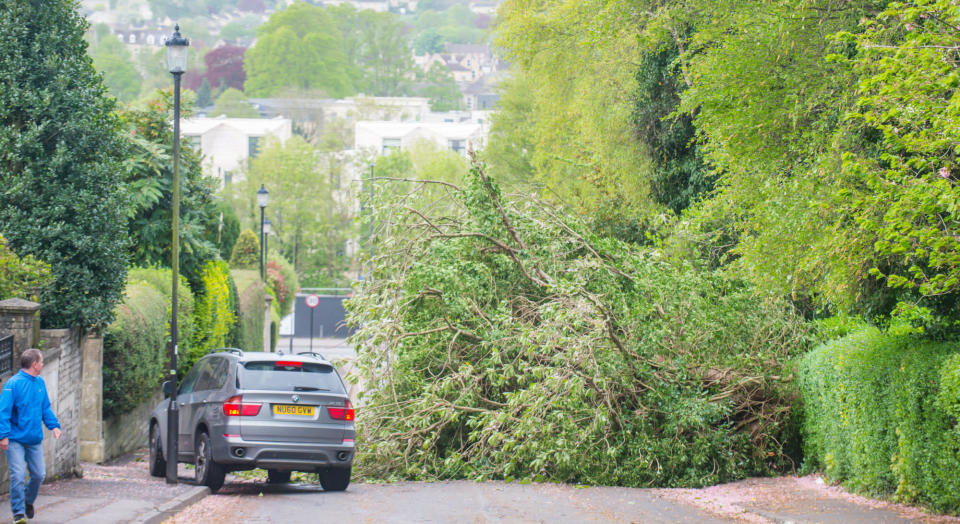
(167, 388)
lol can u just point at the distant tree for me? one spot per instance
(113, 60)
(336, 50)
(440, 87)
(298, 48)
(234, 104)
(236, 30)
(225, 66)
(62, 197)
(428, 42)
(204, 94)
(176, 9)
(301, 203)
(385, 57)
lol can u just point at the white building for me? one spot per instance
(227, 143)
(382, 137)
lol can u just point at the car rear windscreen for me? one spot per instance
(280, 376)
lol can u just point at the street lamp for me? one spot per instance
(262, 198)
(177, 62)
(266, 239)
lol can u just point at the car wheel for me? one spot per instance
(278, 477)
(209, 473)
(158, 466)
(335, 479)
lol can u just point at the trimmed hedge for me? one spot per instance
(246, 251)
(160, 279)
(134, 349)
(880, 415)
(215, 313)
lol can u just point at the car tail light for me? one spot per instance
(288, 363)
(344, 412)
(235, 407)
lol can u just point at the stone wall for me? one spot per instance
(128, 432)
(63, 374)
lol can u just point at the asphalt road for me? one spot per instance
(456, 501)
(767, 500)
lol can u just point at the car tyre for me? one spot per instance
(209, 473)
(335, 479)
(158, 466)
(278, 477)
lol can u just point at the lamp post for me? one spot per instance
(177, 62)
(266, 241)
(262, 198)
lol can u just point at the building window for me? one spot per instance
(193, 141)
(457, 145)
(253, 146)
(151, 40)
(133, 38)
(390, 144)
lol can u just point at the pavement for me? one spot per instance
(334, 350)
(119, 491)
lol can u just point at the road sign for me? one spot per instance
(313, 301)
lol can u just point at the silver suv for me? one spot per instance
(241, 410)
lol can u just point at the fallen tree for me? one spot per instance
(500, 338)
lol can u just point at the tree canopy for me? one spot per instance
(337, 51)
(806, 145)
(62, 197)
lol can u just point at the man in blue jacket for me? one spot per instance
(24, 404)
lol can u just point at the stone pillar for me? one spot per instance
(91, 400)
(266, 324)
(18, 317)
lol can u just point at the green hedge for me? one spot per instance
(134, 349)
(216, 313)
(246, 251)
(252, 309)
(880, 415)
(160, 279)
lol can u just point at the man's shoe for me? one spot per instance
(29, 511)
(19, 519)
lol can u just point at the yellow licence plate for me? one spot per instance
(290, 409)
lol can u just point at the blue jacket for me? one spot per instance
(23, 405)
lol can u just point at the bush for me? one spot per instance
(215, 313)
(21, 277)
(246, 252)
(134, 349)
(282, 278)
(503, 339)
(880, 415)
(160, 279)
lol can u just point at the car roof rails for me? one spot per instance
(314, 353)
(238, 352)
